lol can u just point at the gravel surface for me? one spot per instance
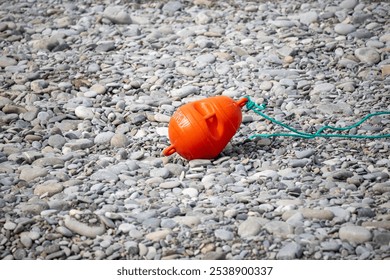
(86, 93)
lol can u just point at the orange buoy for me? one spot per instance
(202, 129)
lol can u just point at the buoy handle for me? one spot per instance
(242, 102)
(169, 150)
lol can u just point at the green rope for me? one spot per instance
(250, 105)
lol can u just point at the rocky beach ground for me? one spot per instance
(87, 89)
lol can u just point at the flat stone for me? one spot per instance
(290, 251)
(103, 138)
(381, 187)
(170, 184)
(104, 175)
(84, 229)
(279, 228)
(119, 140)
(377, 224)
(189, 221)
(224, 234)
(7, 61)
(117, 15)
(344, 28)
(355, 234)
(342, 175)
(251, 227)
(316, 214)
(158, 235)
(305, 153)
(368, 55)
(50, 187)
(30, 173)
(184, 91)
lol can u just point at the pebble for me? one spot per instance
(224, 234)
(289, 251)
(356, 234)
(31, 173)
(251, 227)
(279, 228)
(84, 113)
(85, 229)
(117, 15)
(368, 55)
(157, 235)
(344, 28)
(49, 187)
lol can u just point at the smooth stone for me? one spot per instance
(56, 141)
(381, 187)
(84, 229)
(189, 221)
(355, 234)
(290, 251)
(191, 192)
(368, 55)
(308, 17)
(171, 7)
(224, 234)
(184, 91)
(79, 144)
(158, 235)
(344, 28)
(170, 184)
(331, 245)
(251, 227)
(199, 162)
(279, 228)
(117, 15)
(348, 4)
(50, 187)
(309, 213)
(162, 118)
(7, 61)
(30, 173)
(103, 138)
(119, 140)
(104, 175)
(323, 88)
(377, 224)
(342, 175)
(186, 71)
(305, 153)
(84, 113)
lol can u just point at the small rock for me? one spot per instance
(224, 234)
(355, 234)
(344, 28)
(171, 7)
(83, 228)
(119, 140)
(368, 55)
(289, 251)
(320, 214)
(50, 187)
(305, 153)
(158, 235)
(251, 227)
(84, 113)
(189, 221)
(117, 14)
(30, 173)
(348, 4)
(279, 228)
(103, 138)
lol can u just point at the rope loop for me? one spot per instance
(250, 105)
